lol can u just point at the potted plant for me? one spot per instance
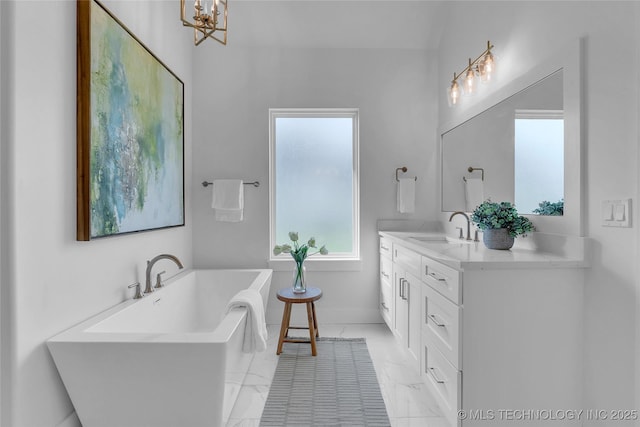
(550, 208)
(299, 252)
(500, 224)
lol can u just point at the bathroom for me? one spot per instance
(50, 281)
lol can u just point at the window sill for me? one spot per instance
(336, 264)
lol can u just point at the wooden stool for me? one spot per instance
(288, 297)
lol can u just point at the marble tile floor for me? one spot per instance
(408, 401)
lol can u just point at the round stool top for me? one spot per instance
(287, 295)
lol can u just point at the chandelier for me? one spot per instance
(206, 20)
(483, 66)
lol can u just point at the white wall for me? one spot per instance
(3, 254)
(637, 229)
(524, 34)
(392, 89)
(56, 282)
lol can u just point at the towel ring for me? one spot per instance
(470, 169)
(403, 169)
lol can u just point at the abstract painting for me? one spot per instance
(130, 131)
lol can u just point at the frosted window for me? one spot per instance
(314, 178)
(539, 162)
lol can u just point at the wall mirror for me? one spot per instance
(522, 145)
(514, 151)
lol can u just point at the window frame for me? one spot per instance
(331, 261)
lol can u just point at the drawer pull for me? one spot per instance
(435, 321)
(384, 248)
(438, 278)
(404, 289)
(436, 378)
(384, 274)
(384, 306)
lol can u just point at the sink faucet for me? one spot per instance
(150, 264)
(468, 222)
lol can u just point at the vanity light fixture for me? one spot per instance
(483, 66)
(206, 20)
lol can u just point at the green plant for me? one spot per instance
(549, 208)
(299, 252)
(490, 215)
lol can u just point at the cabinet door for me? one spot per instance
(401, 306)
(414, 326)
(386, 290)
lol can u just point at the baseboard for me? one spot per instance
(71, 421)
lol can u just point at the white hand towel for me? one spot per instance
(473, 193)
(406, 195)
(255, 332)
(228, 200)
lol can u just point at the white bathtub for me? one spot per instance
(169, 359)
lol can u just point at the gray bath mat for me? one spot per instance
(338, 387)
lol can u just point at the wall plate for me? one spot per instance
(616, 213)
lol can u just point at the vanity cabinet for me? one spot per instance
(401, 295)
(499, 342)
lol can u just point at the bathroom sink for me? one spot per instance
(439, 239)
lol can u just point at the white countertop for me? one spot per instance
(474, 255)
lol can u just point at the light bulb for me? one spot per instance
(488, 67)
(454, 92)
(469, 82)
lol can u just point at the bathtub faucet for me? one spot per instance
(150, 264)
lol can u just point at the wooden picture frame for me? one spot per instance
(130, 131)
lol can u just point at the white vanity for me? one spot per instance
(496, 335)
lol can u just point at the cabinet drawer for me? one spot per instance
(443, 279)
(386, 303)
(408, 258)
(444, 380)
(441, 324)
(386, 269)
(385, 247)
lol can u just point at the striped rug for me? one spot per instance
(338, 387)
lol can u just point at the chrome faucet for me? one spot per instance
(468, 222)
(150, 264)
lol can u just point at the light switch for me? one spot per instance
(616, 213)
(607, 211)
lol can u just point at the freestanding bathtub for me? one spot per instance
(169, 359)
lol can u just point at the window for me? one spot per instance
(539, 158)
(314, 179)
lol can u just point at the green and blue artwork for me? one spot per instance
(137, 142)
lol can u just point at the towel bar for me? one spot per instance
(254, 183)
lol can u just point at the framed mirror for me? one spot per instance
(514, 151)
(522, 145)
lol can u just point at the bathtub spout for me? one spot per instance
(150, 264)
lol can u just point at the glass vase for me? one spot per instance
(299, 281)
